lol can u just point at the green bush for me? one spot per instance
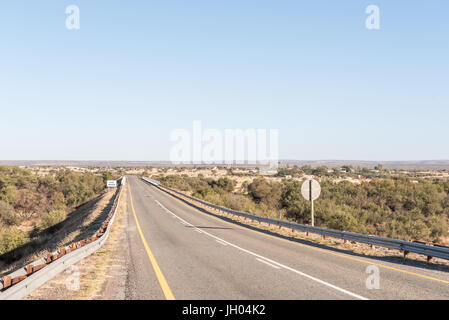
(8, 193)
(106, 176)
(12, 239)
(342, 221)
(7, 214)
(51, 218)
(438, 227)
(416, 230)
(392, 206)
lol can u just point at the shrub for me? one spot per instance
(12, 239)
(8, 194)
(51, 218)
(385, 206)
(259, 189)
(438, 227)
(417, 230)
(7, 214)
(106, 176)
(342, 221)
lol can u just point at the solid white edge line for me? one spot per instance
(272, 261)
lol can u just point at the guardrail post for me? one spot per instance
(406, 253)
(29, 269)
(6, 281)
(429, 258)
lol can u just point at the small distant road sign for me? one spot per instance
(111, 183)
(311, 190)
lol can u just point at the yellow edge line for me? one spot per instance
(320, 250)
(160, 276)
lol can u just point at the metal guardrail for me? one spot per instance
(406, 246)
(36, 275)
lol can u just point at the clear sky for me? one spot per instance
(136, 70)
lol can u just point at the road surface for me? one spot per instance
(179, 252)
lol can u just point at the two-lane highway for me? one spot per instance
(179, 252)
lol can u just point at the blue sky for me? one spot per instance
(136, 70)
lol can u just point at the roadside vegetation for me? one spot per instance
(30, 202)
(385, 205)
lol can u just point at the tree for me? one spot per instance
(107, 175)
(320, 171)
(259, 189)
(379, 167)
(225, 183)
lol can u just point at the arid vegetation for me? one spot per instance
(30, 202)
(386, 205)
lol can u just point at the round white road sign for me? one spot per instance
(311, 189)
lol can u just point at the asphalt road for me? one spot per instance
(179, 252)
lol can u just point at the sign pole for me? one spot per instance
(311, 190)
(313, 218)
(311, 200)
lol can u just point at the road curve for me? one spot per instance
(179, 252)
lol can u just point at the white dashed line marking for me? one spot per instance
(272, 262)
(267, 263)
(221, 242)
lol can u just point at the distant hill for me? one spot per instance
(398, 165)
(404, 165)
(87, 163)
